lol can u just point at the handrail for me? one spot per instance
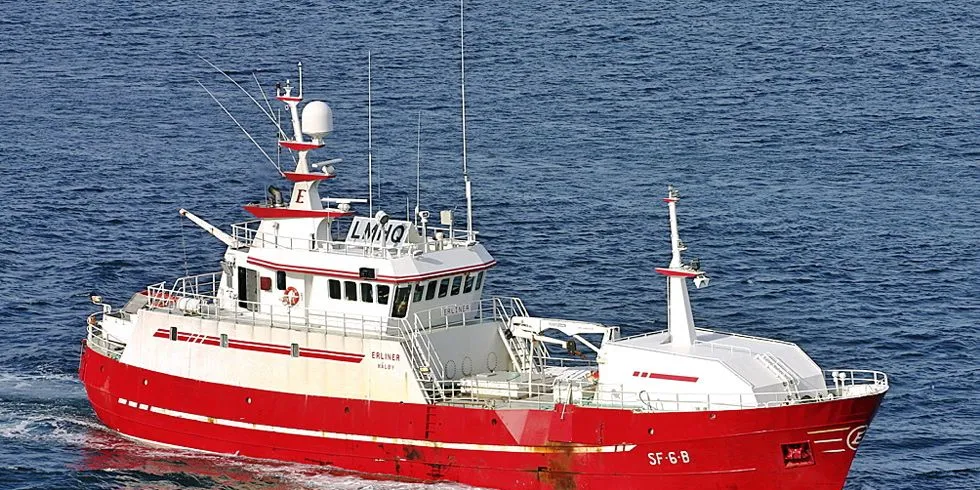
(197, 296)
(99, 342)
(475, 391)
(249, 236)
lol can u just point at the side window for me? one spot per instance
(468, 284)
(443, 287)
(383, 291)
(419, 290)
(479, 281)
(334, 289)
(456, 282)
(367, 292)
(281, 280)
(431, 291)
(350, 290)
(402, 294)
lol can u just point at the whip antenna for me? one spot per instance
(418, 168)
(462, 94)
(370, 184)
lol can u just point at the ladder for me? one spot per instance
(519, 349)
(785, 374)
(423, 358)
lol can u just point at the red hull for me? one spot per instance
(569, 447)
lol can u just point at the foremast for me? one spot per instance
(680, 319)
(319, 122)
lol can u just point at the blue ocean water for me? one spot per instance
(828, 155)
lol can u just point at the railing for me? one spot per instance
(520, 350)
(248, 235)
(99, 342)
(546, 394)
(422, 357)
(708, 330)
(198, 296)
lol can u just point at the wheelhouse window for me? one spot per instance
(400, 308)
(454, 290)
(281, 280)
(479, 281)
(430, 291)
(350, 290)
(334, 289)
(367, 292)
(383, 291)
(468, 284)
(419, 291)
(443, 287)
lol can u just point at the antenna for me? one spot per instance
(418, 169)
(462, 94)
(299, 66)
(370, 184)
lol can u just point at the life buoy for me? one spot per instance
(290, 297)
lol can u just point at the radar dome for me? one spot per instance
(317, 120)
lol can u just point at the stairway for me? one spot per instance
(423, 359)
(785, 374)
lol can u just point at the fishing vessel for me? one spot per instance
(366, 343)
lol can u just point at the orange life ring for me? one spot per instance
(290, 297)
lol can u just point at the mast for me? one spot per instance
(680, 319)
(320, 122)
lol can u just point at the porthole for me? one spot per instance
(650, 431)
(145, 381)
(248, 400)
(467, 366)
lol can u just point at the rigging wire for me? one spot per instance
(267, 114)
(267, 157)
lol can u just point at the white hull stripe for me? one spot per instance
(827, 431)
(826, 441)
(462, 446)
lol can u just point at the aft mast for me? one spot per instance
(680, 320)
